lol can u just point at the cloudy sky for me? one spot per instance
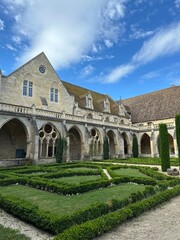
(122, 48)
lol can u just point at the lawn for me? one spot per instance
(10, 234)
(146, 161)
(64, 205)
(130, 172)
(77, 179)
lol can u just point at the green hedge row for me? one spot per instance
(61, 188)
(146, 170)
(72, 173)
(145, 181)
(105, 223)
(154, 174)
(26, 211)
(52, 223)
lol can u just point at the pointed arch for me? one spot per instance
(171, 144)
(112, 145)
(75, 142)
(13, 139)
(48, 135)
(96, 143)
(145, 144)
(126, 143)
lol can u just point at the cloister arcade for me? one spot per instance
(17, 137)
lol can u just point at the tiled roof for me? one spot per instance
(157, 105)
(98, 98)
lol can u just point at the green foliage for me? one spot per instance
(8, 233)
(61, 147)
(91, 229)
(164, 147)
(177, 120)
(135, 147)
(144, 160)
(106, 149)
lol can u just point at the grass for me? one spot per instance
(146, 161)
(11, 234)
(77, 179)
(64, 205)
(130, 172)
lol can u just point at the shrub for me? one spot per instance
(135, 146)
(92, 229)
(106, 149)
(61, 147)
(164, 147)
(177, 120)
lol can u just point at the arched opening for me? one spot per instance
(171, 144)
(107, 119)
(95, 145)
(48, 135)
(13, 140)
(145, 144)
(112, 149)
(126, 143)
(89, 116)
(74, 144)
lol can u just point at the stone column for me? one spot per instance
(53, 148)
(47, 147)
(67, 150)
(175, 147)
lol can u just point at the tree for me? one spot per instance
(135, 146)
(61, 146)
(106, 148)
(177, 121)
(164, 147)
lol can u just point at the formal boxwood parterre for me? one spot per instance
(105, 223)
(95, 219)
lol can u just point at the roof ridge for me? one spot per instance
(85, 88)
(145, 94)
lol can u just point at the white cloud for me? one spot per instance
(108, 43)
(10, 47)
(163, 43)
(177, 3)
(16, 39)
(65, 30)
(1, 25)
(118, 73)
(88, 70)
(138, 33)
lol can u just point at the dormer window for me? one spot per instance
(27, 88)
(106, 105)
(89, 101)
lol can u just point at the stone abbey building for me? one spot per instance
(37, 107)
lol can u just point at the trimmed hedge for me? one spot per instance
(53, 224)
(72, 173)
(105, 223)
(154, 174)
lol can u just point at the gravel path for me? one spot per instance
(30, 231)
(162, 223)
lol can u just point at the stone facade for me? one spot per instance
(36, 108)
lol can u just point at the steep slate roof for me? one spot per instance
(157, 105)
(79, 92)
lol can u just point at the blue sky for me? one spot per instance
(122, 48)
